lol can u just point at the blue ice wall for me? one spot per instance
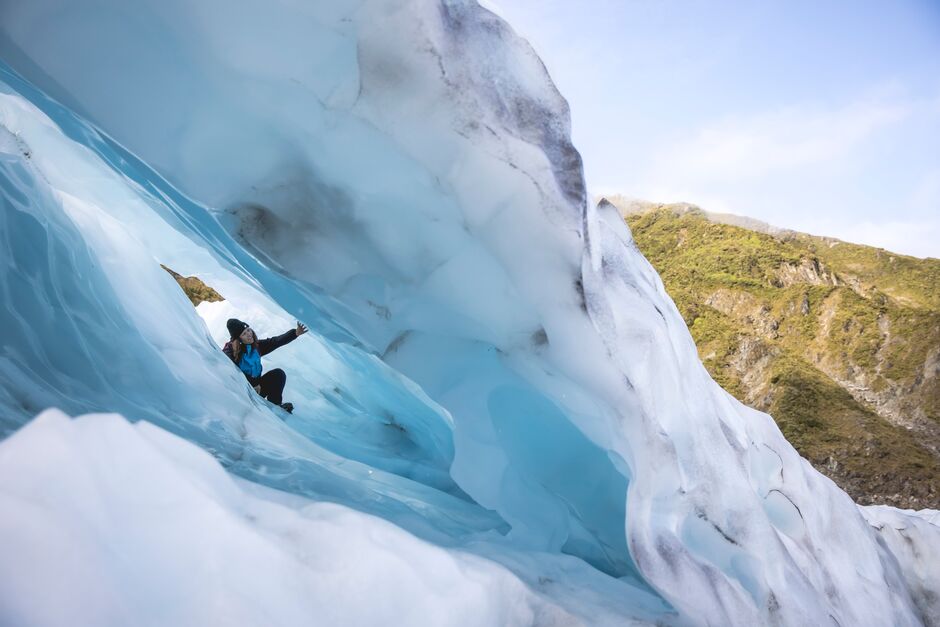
(375, 444)
(71, 342)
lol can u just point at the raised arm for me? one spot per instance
(268, 344)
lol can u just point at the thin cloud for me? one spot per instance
(801, 167)
(926, 195)
(758, 145)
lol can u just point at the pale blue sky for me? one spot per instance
(821, 116)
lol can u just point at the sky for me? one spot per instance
(821, 116)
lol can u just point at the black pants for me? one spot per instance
(272, 385)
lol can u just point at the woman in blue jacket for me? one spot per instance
(245, 350)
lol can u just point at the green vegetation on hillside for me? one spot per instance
(839, 342)
(906, 279)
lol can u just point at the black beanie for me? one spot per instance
(235, 327)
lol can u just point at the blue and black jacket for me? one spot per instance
(250, 360)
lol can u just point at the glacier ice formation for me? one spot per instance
(495, 369)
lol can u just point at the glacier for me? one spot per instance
(501, 417)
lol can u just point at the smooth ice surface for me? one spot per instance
(494, 366)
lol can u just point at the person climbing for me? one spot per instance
(245, 351)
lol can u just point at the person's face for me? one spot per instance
(247, 336)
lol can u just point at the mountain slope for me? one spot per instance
(839, 342)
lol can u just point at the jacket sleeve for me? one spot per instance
(227, 349)
(268, 344)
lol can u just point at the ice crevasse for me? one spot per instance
(501, 416)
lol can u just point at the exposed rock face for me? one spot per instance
(196, 291)
(840, 343)
(808, 271)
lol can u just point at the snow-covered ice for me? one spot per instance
(122, 524)
(493, 368)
